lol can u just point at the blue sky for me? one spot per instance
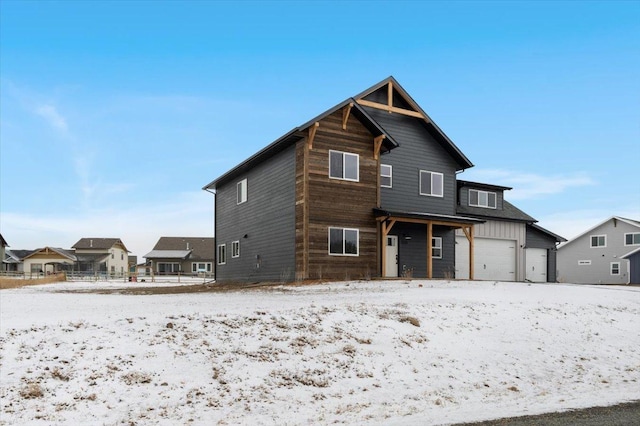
(114, 115)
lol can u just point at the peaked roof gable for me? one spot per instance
(48, 250)
(98, 244)
(198, 247)
(631, 222)
(298, 133)
(406, 105)
(3, 242)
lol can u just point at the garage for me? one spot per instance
(536, 265)
(493, 259)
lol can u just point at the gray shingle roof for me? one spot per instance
(202, 248)
(97, 243)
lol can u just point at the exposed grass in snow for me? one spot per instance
(419, 352)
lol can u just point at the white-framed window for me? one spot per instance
(201, 267)
(482, 199)
(344, 166)
(386, 176)
(598, 241)
(222, 254)
(235, 249)
(615, 268)
(584, 262)
(242, 191)
(431, 183)
(344, 242)
(436, 247)
(632, 239)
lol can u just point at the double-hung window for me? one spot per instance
(482, 199)
(431, 183)
(235, 249)
(242, 191)
(632, 239)
(222, 254)
(436, 247)
(344, 241)
(386, 176)
(344, 166)
(598, 241)
(615, 268)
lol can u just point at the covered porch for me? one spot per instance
(393, 220)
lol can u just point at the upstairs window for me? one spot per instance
(386, 176)
(344, 241)
(242, 191)
(598, 241)
(344, 166)
(431, 183)
(436, 247)
(632, 239)
(482, 199)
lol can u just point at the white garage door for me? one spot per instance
(493, 259)
(536, 267)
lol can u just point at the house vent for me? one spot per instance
(91, 243)
(187, 246)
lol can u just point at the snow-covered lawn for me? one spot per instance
(381, 352)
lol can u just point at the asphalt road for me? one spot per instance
(627, 414)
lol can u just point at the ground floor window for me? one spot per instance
(36, 267)
(436, 247)
(168, 268)
(222, 254)
(615, 268)
(201, 267)
(344, 241)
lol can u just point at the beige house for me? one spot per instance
(182, 255)
(48, 260)
(102, 255)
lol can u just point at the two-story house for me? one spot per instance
(101, 255)
(604, 254)
(366, 189)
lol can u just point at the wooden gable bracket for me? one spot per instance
(312, 134)
(345, 115)
(377, 144)
(390, 96)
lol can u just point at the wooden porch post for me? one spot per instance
(429, 250)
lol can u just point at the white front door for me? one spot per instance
(536, 260)
(391, 259)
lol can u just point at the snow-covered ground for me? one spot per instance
(382, 352)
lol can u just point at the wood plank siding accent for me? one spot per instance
(322, 202)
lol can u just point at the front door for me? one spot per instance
(391, 260)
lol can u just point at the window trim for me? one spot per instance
(235, 249)
(195, 269)
(241, 192)
(488, 193)
(617, 264)
(357, 231)
(390, 175)
(221, 254)
(441, 195)
(436, 247)
(344, 154)
(632, 234)
(598, 236)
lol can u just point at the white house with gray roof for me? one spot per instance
(601, 255)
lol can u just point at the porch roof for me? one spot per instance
(168, 254)
(437, 219)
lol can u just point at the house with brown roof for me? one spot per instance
(182, 255)
(101, 256)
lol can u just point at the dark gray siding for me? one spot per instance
(417, 151)
(267, 218)
(634, 269)
(412, 254)
(537, 239)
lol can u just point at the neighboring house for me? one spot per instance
(3, 245)
(633, 258)
(101, 255)
(509, 246)
(13, 259)
(48, 260)
(190, 255)
(602, 254)
(366, 189)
